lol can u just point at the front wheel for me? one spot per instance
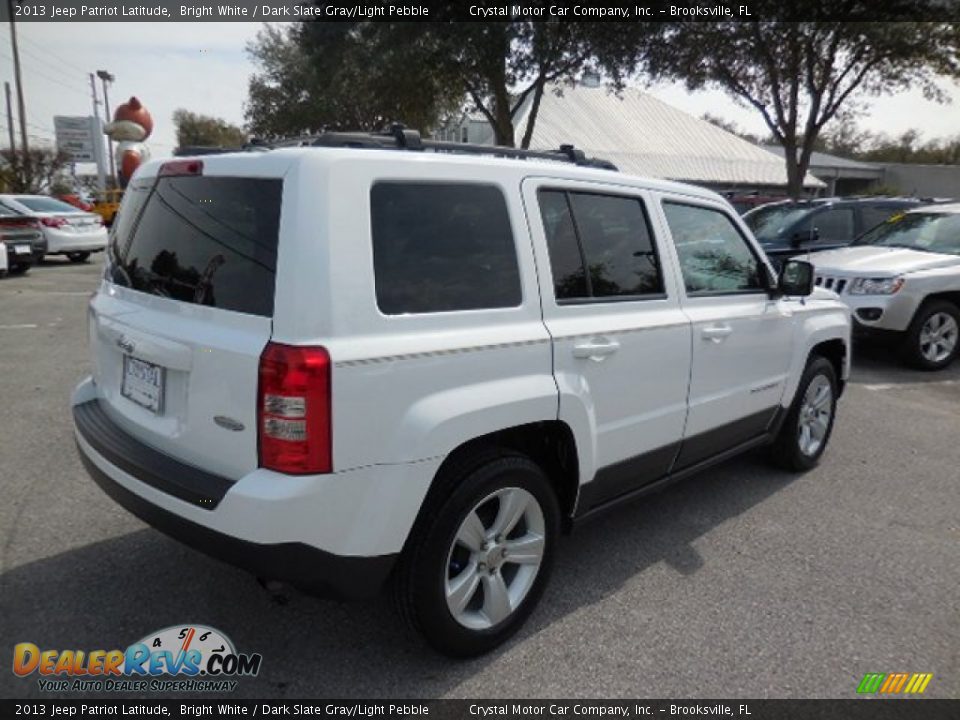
(478, 562)
(933, 339)
(78, 257)
(806, 430)
(19, 269)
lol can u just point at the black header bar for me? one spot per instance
(475, 10)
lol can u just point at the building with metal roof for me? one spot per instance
(841, 175)
(643, 136)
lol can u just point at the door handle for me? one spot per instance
(716, 333)
(596, 349)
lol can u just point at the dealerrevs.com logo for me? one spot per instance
(180, 658)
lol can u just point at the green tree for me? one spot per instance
(363, 75)
(196, 129)
(44, 167)
(799, 75)
(346, 76)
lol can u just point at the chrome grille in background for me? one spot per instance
(831, 283)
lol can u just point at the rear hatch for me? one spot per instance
(186, 309)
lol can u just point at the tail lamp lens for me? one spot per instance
(295, 429)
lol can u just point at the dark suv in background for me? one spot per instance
(792, 227)
(23, 239)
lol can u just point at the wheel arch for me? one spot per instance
(549, 443)
(835, 351)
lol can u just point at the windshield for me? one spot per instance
(928, 231)
(38, 203)
(768, 222)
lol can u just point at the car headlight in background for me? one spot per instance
(875, 286)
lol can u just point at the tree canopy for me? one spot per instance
(364, 75)
(800, 75)
(33, 172)
(196, 129)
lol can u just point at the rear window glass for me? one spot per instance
(38, 203)
(438, 248)
(203, 240)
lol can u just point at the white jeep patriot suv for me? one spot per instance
(338, 365)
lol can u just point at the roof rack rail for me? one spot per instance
(252, 146)
(399, 137)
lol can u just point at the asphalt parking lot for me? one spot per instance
(745, 582)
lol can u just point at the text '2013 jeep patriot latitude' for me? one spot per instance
(339, 366)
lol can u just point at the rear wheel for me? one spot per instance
(478, 561)
(806, 430)
(78, 257)
(19, 269)
(933, 339)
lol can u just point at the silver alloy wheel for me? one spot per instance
(814, 419)
(938, 337)
(493, 563)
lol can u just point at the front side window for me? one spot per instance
(714, 257)
(441, 248)
(600, 246)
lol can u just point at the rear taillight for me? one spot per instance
(293, 410)
(54, 222)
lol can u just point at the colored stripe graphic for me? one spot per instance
(894, 683)
(871, 682)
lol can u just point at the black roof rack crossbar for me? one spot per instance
(402, 138)
(399, 137)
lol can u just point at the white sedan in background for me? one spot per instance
(68, 230)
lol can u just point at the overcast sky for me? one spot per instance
(203, 67)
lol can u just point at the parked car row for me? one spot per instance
(34, 226)
(894, 261)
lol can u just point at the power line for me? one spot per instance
(49, 78)
(45, 49)
(41, 59)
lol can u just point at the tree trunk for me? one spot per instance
(503, 130)
(794, 173)
(532, 115)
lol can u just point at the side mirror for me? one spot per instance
(805, 236)
(796, 278)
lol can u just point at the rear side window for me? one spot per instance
(600, 246)
(440, 248)
(203, 240)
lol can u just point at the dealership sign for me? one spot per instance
(79, 138)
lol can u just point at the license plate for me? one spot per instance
(143, 383)
(21, 249)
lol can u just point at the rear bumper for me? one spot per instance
(185, 503)
(63, 242)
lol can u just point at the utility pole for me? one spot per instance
(101, 170)
(6, 92)
(106, 77)
(21, 109)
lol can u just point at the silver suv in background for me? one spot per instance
(902, 282)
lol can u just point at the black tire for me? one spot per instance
(786, 451)
(911, 349)
(19, 269)
(78, 257)
(421, 576)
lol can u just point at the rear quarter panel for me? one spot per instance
(407, 387)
